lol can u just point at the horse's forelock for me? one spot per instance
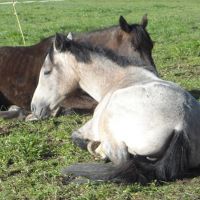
(50, 52)
(81, 50)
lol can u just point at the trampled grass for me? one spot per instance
(33, 153)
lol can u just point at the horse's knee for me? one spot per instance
(78, 140)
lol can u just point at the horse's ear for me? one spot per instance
(69, 36)
(59, 41)
(124, 25)
(144, 21)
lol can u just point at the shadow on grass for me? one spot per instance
(195, 93)
(192, 173)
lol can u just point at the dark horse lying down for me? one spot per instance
(20, 66)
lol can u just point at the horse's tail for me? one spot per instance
(175, 161)
(172, 165)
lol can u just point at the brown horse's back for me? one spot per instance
(19, 71)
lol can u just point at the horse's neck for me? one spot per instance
(101, 77)
(104, 37)
(97, 79)
(42, 46)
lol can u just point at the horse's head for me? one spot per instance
(135, 40)
(57, 78)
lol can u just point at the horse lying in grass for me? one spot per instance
(148, 127)
(20, 66)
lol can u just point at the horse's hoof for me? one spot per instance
(95, 149)
(92, 146)
(77, 140)
(31, 117)
(100, 152)
(14, 108)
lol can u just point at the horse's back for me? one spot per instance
(19, 70)
(153, 98)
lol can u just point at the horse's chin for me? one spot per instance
(56, 112)
(55, 106)
(42, 110)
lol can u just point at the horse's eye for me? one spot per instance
(47, 72)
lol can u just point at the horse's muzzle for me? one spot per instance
(41, 111)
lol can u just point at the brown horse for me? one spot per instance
(20, 66)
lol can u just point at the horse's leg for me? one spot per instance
(89, 131)
(82, 136)
(14, 112)
(85, 139)
(102, 144)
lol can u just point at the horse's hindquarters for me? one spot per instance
(145, 117)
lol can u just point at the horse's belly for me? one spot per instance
(141, 137)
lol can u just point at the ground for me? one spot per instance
(32, 154)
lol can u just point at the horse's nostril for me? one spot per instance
(33, 108)
(42, 112)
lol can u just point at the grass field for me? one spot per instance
(32, 154)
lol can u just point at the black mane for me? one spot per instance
(82, 52)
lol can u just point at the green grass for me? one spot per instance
(32, 154)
